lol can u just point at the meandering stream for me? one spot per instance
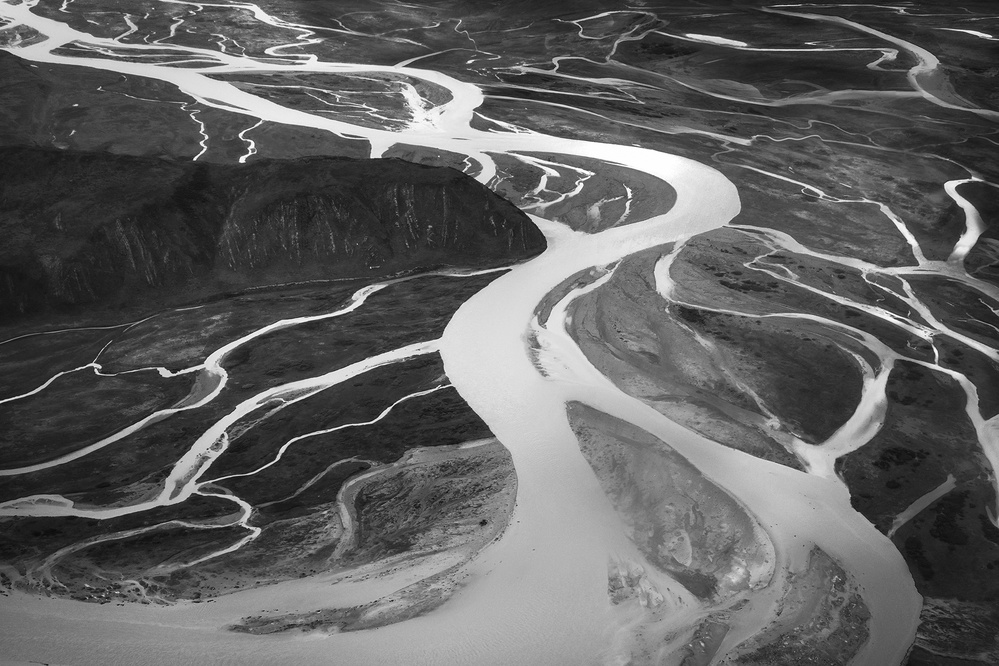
(539, 594)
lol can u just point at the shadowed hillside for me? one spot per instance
(86, 228)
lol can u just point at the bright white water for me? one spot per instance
(539, 594)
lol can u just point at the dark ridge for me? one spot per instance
(94, 229)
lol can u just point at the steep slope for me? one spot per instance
(88, 228)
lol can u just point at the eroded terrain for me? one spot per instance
(227, 351)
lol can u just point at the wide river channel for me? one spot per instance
(539, 594)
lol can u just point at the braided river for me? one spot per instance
(539, 593)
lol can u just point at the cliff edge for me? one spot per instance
(101, 229)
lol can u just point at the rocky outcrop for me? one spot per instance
(88, 228)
